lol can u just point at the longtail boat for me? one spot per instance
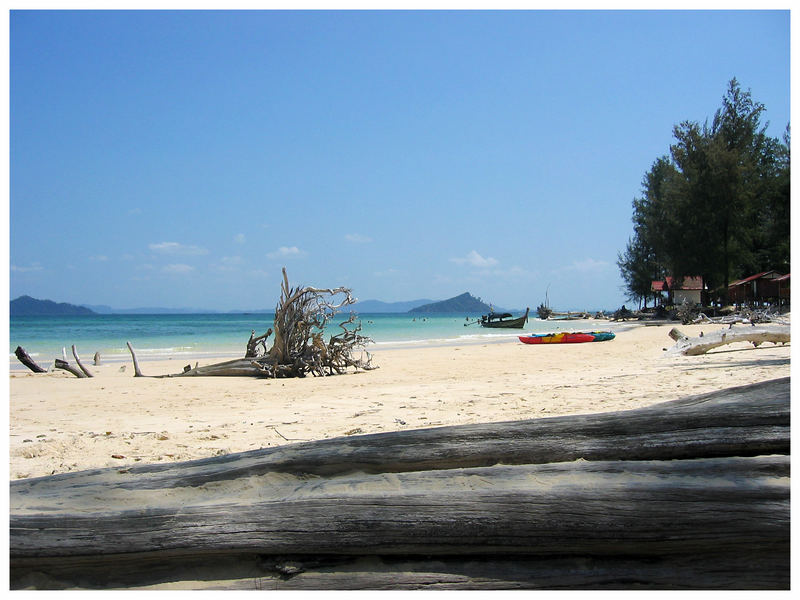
(502, 320)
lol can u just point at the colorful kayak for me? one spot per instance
(567, 337)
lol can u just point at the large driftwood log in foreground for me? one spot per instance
(692, 493)
(700, 345)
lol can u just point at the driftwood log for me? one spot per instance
(81, 371)
(80, 364)
(26, 360)
(298, 347)
(65, 366)
(700, 345)
(690, 494)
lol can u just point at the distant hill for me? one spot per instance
(466, 303)
(377, 306)
(25, 306)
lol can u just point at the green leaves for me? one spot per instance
(717, 206)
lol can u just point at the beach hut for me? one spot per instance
(784, 288)
(689, 289)
(761, 288)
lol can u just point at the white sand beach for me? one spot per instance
(59, 423)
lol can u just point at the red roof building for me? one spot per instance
(769, 286)
(690, 290)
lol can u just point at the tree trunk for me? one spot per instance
(692, 493)
(700, 345)
(137, 372)
(26, 360)
(81, 366)
(62, 364)
(298, 348)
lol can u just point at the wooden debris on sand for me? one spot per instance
(691, 494)
(26, 360)
(705, 342)
(298, 347)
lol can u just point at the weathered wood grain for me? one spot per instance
(594, 507)
(700, 345)
(328, 572)
(660, 488)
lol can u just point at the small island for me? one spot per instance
(466, 302)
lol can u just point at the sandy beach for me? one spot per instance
(59, 423)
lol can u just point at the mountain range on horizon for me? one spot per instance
(466, 302)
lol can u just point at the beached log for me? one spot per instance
(677, 335)
(81, 366)
(387, 572)
(63, 364)
(700, 345)
(26, 360)
(298, 348)
(692, 493)
(239, 367)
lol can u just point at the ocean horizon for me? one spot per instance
(195, 336)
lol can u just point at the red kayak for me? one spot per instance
(557, 338)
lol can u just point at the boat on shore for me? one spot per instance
(504, 320)
(566, 337)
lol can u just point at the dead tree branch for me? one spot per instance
(298, 346)
(62, 364)
(26, 360)
(137, 372)
(746, 315)
(257, 346)
(700, 345)
(300, 320)
(80, 364)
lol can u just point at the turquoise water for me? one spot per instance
(198, 335)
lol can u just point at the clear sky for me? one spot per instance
(180, 159)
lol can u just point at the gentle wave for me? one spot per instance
(160, 337)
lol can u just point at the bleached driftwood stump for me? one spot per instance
(692, 493)
(700, 345)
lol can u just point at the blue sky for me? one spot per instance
(180, 159)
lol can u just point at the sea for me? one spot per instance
(198, 336)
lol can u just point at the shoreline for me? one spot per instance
(59, 423)
(216, 355)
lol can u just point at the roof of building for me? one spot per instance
(668, 283)
(757, 276)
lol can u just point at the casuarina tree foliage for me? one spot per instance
(717, 206)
